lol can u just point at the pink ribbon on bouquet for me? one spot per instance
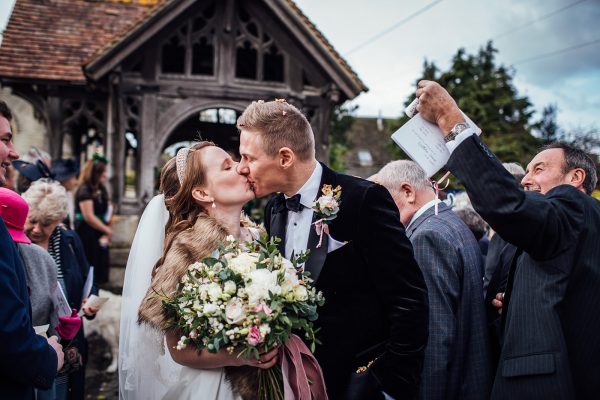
(322, 228)
(299, 366)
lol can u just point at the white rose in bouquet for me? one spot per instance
(243, 263)
(234, 311)
(214, 291)
(290, 281)
(301, 293)
(229, 287)
(210, 308)
(259, 283)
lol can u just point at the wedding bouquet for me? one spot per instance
(247, 299)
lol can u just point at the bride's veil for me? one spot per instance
(146, 369)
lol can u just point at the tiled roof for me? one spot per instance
(321, 38)
(53, 39)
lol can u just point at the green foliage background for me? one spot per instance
(486, 93)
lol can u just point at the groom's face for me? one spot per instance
(261, 170)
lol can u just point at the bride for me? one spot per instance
(201, 202)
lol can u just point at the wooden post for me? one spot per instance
(147, 147)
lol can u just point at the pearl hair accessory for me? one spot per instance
(180, 162)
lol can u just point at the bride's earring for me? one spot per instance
(213, 204)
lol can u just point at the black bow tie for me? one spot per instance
(292, 203)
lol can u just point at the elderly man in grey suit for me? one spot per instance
(550, 346)
(457, 359)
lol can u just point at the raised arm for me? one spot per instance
(542, 225)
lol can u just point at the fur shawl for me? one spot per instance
(188, 246)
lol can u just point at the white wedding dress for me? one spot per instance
(146, 369)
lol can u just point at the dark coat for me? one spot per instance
(551, 321)
(26, 359)
(375, 294)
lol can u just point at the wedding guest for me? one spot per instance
(66, 171)
(457, 363)
(91, 219)
(28, 360)
(47, 202)
(550, 309)
(40, 274)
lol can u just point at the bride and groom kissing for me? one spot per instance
(373, 325)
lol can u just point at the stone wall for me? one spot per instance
(29, 128)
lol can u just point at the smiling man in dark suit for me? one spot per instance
(550, 346)
(375, 296)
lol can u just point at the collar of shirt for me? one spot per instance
(421, 210)
(308, 192)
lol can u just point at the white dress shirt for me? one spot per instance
(453, 144)
(299, 223)
(421, 210)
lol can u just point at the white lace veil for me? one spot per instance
(146, 369)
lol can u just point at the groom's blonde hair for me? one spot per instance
(279, 124)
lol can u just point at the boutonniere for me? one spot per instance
(326, 208)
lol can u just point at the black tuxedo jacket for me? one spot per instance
(375, 294)
(551, 313)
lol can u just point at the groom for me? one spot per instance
(375, 296)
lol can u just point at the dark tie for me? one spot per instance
(292, 204)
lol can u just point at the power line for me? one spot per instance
(556, 52)
(543, 17)
(393, 27)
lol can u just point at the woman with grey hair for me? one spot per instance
(48, 204)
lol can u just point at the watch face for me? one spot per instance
(458, 128)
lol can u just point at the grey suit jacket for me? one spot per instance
(457, 357)
(550, 346)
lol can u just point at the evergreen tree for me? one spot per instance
(342, 119)
(486, 93)
(547, 126)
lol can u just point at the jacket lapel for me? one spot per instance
(278, 220)
(317, 256)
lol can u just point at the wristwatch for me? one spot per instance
(458, 128)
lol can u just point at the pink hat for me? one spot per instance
(13, 210)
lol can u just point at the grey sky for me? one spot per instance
(390, 64)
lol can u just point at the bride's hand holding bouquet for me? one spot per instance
(246, 300)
